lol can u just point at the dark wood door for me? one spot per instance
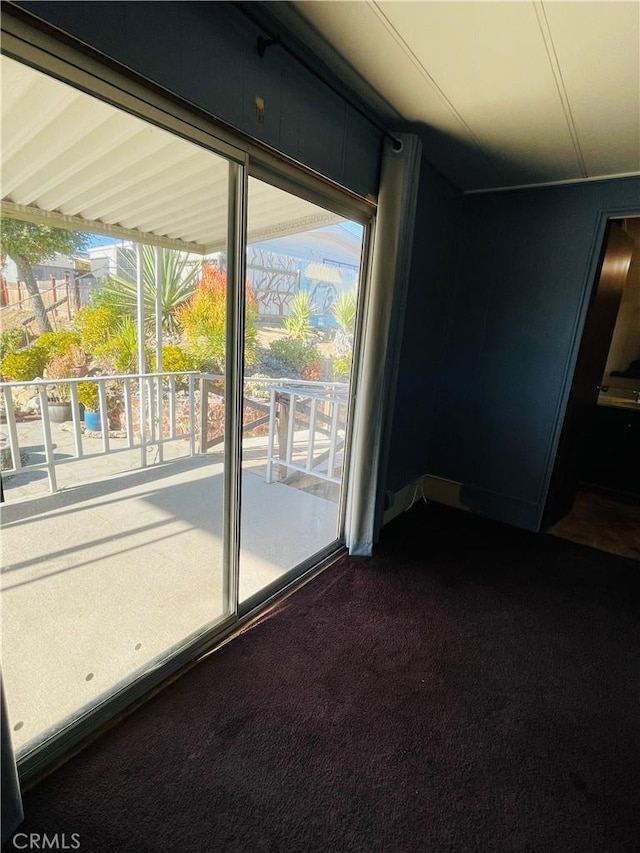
(592, 358)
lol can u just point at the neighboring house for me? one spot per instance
(323, 263)
(52, 275)
(58, 266)
(113, 259)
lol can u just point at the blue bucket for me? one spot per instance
(92, 421)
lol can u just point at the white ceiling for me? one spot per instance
(71, 160)
(502, 93)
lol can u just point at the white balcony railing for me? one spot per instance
(320, 410)
(148, 416)
(304, 422)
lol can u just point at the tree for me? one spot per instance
(28, 244)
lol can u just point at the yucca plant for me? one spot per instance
(178, 276)
(298, 323)
(344, 310)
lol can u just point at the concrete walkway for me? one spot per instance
(108, 575)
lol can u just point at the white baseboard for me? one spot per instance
(425, 488)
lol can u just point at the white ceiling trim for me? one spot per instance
(542, 184)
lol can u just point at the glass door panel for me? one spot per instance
(113, 513)
(303, 266)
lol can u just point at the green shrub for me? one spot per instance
(88, 395)
(12, 340)
(123, 348)
(173, 359)
(58, 343)
(342, 367)
(207, 354)
(25, 365)
(96, 325)
(202, 320)
(294, 354)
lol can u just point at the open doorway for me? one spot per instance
(595, 495)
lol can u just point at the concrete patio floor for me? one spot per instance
(107, 575)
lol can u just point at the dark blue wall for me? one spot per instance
(205, 52)
(436, 239)
(493, 349)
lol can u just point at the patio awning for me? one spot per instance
(74, 161)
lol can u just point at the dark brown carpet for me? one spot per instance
(471, 688)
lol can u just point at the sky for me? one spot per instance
(99, 240)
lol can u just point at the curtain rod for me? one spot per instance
(275, 40)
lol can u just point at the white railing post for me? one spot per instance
(192, 414)
(104, 414)
(141, 353)
(312, 433)
(272, 431)
(152, 410)
(333, 436)
(159, 279)
(46, 434)
(142, 412)
(160, 417)
(14, 444)
(292, 424)
(75, 419)
(172, 407)
(128, 413)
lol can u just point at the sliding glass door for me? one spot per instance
(301, 298)
(114, 534)
(176, 390)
